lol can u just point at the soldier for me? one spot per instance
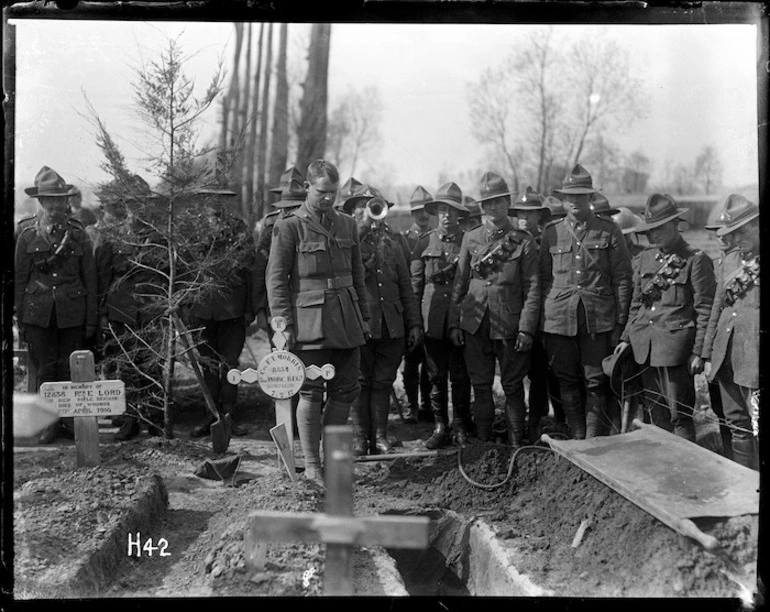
(473, 219)
(600, 206)
(732, 340)
(264, 226)
(349, 189)
(415, 372)
(225, 314)
(532, 215)
(434, 263)
(556, 207)
(585, 272)
(55, 287)
(292, 195)
(394, 318)
(315, 280)
(121, 313)
(628, 222)
(495, 307)
(673, 293)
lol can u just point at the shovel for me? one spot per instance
(221, 428)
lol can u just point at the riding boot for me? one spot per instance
(309, 426)
(515, 418)
(359, 417)
(438, 402)
(574, 412)
(745, 450)
(596, 417)
(411, 378)
(237, 429)
(483, 412)
(461, 412)
(380, 407)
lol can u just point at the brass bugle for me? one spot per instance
(377, 208)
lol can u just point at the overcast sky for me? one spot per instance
(701, 81)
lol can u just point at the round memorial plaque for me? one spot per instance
(281, 374)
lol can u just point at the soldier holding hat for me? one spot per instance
(586, 280)
(224, 314)
(315, 281)
(532, 215)
(55, 286)
(415, 372)
(292, 194)
(673, 293)
(434, 264)
(495, 308)
(731, 345)
(395, 320)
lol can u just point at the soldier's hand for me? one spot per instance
(90, 332)
(288, 333)
(262, 322)
(104, 322)
(695, 365)
(523, 342)
(456, 336)
(707, 368)
(621, 346)
(367, 330)
(415, 338)
(248, 317)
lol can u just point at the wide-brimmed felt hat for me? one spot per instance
(578, 182)
(738, 212)
(419, 198)
(450, 194)
(529, 200)
(626, 220)
(348, 190)
(660, 208)
(492, 185)
(619, 368)
(292, 195)
(556, 206)
(473, 207)
(48, 183)
(600, 205)
(363, 193)
(290, 174)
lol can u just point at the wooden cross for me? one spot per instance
(337, 527)
(281, 375)
(85, 399)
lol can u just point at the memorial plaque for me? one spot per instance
(281, 374)
(77, 399)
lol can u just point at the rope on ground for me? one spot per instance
(511, 465)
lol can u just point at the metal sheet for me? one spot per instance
(658, 470)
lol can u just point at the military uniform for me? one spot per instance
(393, 311)
(666, 329)
(492, 308)
(585, 272)
(732, 339)
(55, 294)
(433, 268)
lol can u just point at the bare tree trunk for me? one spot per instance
(249, 110)
(234, 96)
(227, 99)
(261, 163)
(280, 133)
(313, 108)
(168, 366)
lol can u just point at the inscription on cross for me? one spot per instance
(338, 528)
(281, 375)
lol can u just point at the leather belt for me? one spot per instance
(317, 284)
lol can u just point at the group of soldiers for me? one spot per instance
(557, 289)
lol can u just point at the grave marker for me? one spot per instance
(338, 528)
(85, 399)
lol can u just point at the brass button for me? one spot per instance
(653, 308)
(578, 272)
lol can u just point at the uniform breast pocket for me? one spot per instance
(345, 246)
(680, 291)
(561, 258)
(597, 256)
(311, 257)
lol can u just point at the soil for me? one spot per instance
(62, 514)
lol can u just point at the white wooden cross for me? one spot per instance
(338, 528)
(85, 399)
(281, 375)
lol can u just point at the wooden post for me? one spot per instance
(86, 427)
(338, 465)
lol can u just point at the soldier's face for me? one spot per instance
(747, 238)
(496, 209)
(321, 192)
(422, 219)
(578, 205)
(54, 209)
(664, 235)
(529, 220)
(447, 217)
